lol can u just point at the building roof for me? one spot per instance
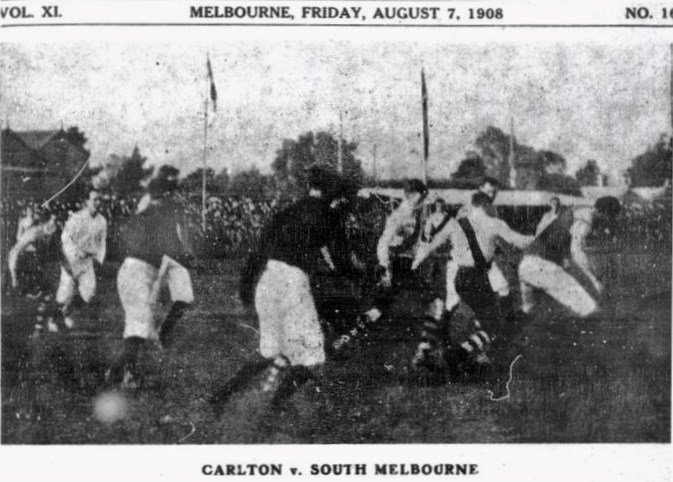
(36, 139)
(504, 198)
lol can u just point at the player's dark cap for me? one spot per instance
(480, 199)
(415, 186)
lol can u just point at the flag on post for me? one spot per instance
(426, 130)
(213, 90)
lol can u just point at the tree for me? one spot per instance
(221, 182)
(471, 169)
(294, 158)
(75, 137)
(552, 162)
(559, 183)
(123, 175)
(493, 146)
(589, 175)
(251, 183)
(193, 182)
(653, 167)
(168, 171)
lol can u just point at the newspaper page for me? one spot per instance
(294, 239)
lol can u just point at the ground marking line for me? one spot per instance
(189, 434)
(511, 375)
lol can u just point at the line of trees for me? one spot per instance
(489, 156)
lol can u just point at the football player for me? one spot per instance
(156, 252)
(84, 239)
(277, 281)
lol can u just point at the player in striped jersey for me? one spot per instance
(156, 252)
(472, 239)
(32, 242)
(402, 232)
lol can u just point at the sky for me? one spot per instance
(585, 101)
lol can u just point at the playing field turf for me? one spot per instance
(605, 380)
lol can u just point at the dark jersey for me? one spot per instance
(553, 243)
(296, 237)
(153, 233)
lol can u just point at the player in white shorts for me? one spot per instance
(561, 238)
(277, 280)
(84, 240)
(472, 237)
(155, 248)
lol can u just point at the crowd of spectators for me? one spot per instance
(233, 224)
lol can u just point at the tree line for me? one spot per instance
(489, 156)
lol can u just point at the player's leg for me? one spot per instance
(432, 336)
(86, 287)
(86, 283)
(64, 295)
(558, 284)
(268, 308)
(452, 297)
(579, 232)
(134, 284)
(302, 339)
(499, 283)
(526, 269)
(243, 377)
(180, 287)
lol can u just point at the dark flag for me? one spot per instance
(426, 130)
(213, 90)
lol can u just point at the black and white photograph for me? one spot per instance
(335, 241)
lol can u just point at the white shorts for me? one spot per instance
(178, 280)
(288, 320)
(135, 283)
(82, 279)
(498, 281)
(557, 283)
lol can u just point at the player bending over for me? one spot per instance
(156, 250)
(83, 240)
(277, 281)
(473, 243)
(561, 238)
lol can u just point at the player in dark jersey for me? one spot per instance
(544, 264)
(155, 249)
(277, 280)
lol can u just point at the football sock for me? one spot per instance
(177, 310)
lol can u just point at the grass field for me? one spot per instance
(605, 380)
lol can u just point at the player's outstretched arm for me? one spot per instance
(578, 254)
(426, 249)
(521, 241)
(101, 249)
